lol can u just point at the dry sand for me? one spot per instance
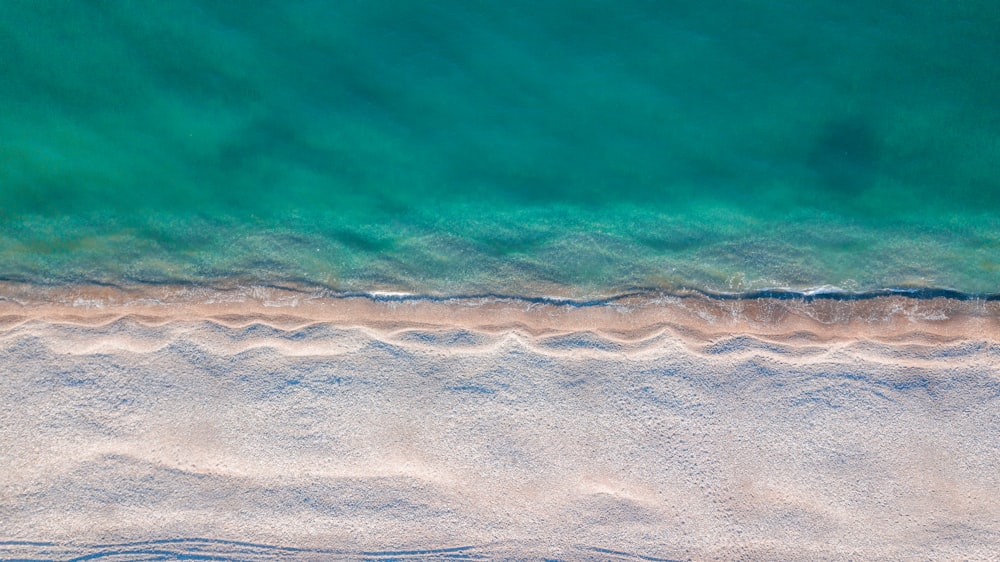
(262, 423)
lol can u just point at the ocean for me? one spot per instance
(570, 148)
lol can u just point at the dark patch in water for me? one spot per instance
(361, 242)
(846, 155)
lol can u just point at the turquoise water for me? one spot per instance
(572, 147)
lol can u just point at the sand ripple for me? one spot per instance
(458, 430)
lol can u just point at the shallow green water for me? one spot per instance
(517, 147)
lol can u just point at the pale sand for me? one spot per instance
(673, 427)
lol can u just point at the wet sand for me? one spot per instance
(260, 423)
(629, 317)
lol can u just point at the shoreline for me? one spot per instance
(889, 314)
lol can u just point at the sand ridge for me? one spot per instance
(627, 318)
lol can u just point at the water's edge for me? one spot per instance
(18, 291)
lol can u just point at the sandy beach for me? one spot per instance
(268, 422)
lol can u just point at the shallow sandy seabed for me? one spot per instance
(261, 423)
